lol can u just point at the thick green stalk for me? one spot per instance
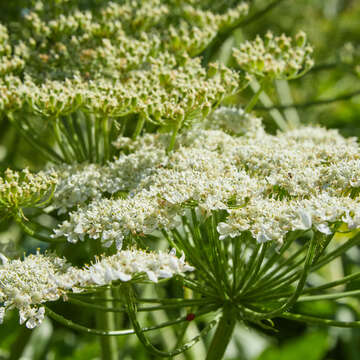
(28, 230)
(139, 126)
(106, 320)
(173, 137)
(255, 98)
(223, 334)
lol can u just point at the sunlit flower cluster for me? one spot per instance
(268, 184)
(235, 121)
(26, 284)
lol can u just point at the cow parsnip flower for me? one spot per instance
(37, 279)
(268, 184)
(254, 213)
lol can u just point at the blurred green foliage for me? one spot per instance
(311, 346)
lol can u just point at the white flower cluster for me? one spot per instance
(270, 185)
(276, 57)
(127, 264)
(27, 284)
(80, 183)
(234, 121)
(25, 189)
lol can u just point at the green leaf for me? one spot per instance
(88, 351)
(311, 346)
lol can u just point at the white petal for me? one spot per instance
(152, 276)
(262, 237)
(305, 219)
(2, 314)
(122, 276)
(4, 259)
(324, 228)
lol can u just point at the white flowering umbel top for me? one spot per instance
(26, 284)
(269, 185)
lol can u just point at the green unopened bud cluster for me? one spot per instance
(275, 57)
(114, 61)
(25, 189)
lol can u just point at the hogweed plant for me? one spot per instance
(142, 157)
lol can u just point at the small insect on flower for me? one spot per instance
(190, 317)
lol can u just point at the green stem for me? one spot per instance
(181, 301)
(79, 132)
(173, 137)
(281, 270)
(105, 308)
(256, 269)
(48, 153)
(345, 279)
(28, 230)
(301, 283)
(62, 145)
(139, 126)
(249, 267)
(329, 296)
(223, 334)
(278, 254)
(108, 344)
(70, 324)
(89, 134)
(307, 104)
(255, 98)
(105, 130)
(335, 253)
(131, 307)
(97, 139)
(320, 321)
(65, 126)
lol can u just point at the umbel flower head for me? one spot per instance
(276, 57)
(24, 189)
(268, 185)
(115, 61)
(253, 213)
(27, 284)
